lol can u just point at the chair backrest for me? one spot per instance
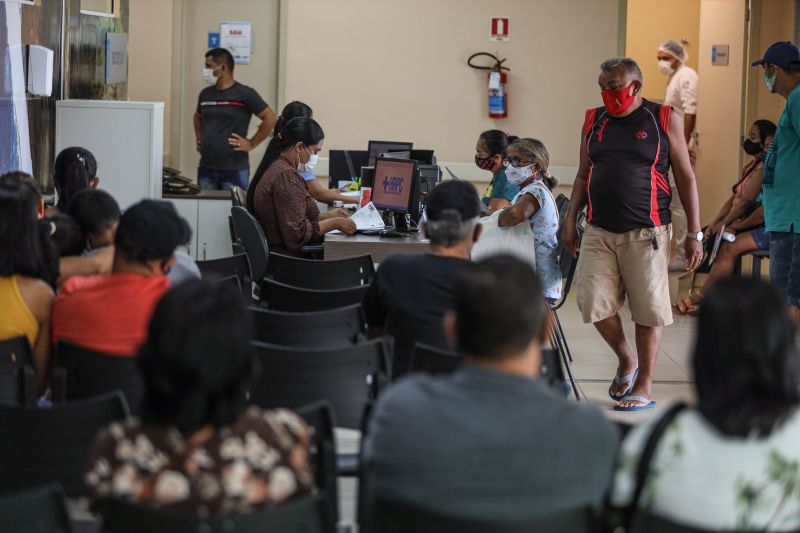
(235, 265)
(17, 381)
(255, 242)
(347, 377)
(87, 373)
(238, 196)
(304, 515)
(320, 419)
(395, 518)
(566, 262)
(281, 297)
(343, 326)
(313, 274)
(38, 510)
(433, 360)
(406, 332)
(52, 445)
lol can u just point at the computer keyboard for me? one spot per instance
(390, 234)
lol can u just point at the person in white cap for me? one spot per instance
(682, 96)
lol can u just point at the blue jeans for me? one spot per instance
(784, 264)
(208, 178)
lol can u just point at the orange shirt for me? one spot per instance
(108, 314)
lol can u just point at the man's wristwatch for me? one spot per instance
(695, 236)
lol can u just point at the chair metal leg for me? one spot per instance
(559, 344)
(756, 266)
(563, 337)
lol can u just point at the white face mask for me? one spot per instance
(208, 76)
(517, 175)
(310, 164)
(665, 67)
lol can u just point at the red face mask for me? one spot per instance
(617, 102)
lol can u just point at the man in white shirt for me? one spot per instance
(682, 96)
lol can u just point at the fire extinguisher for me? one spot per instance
(497, 84)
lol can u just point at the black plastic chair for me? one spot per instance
(17, 377)
(40, 446)
(343, 326)
(37, 510)
(238, 199)
(304, 515)
(406, 333)
(281, 297)
(436, 361)
(348, 377)
(82, 373)
(235, 265)
(396, 518)
(322, 275)
(320, 419)
(758, 257)
(253, 239)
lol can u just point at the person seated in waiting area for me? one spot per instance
(26, 299)
(109, 313)
(279, 198)
(491, 441)
(318, 190)
(16, 177)
(74, 170)
(98, 214)
(490, 154)
(198, 447)
(731, 461)
(741, 215)
(67, 235)
(411, 293)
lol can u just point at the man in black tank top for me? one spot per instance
(627, 148)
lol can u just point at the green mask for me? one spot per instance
(769, 81)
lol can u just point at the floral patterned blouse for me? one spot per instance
(260, 458)
(707, 480)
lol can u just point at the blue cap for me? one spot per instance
(783, 54)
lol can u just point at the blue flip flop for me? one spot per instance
(648, 403)
(630, 378)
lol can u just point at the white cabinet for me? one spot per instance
(126, 138)
(211, 237)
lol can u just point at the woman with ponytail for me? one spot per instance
(279, 198)
(74, 170)
(318, 190)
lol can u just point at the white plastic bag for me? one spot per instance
(515, 240)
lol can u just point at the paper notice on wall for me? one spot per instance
(368, 217)
(236, 37)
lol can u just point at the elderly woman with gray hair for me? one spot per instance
(534, 204)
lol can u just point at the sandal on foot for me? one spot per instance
(646, 403)
(621, 380)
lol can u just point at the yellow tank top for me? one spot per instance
(15, 318)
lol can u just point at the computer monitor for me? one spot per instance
(376, 148)
(394, 184)
(338, 168)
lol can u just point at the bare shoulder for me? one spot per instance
(38, 296)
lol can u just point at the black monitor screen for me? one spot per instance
(376, 148)
(394, 180)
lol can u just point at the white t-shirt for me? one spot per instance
(682, 91)
(701, 478)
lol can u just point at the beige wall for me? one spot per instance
(719, 117)
(381, 70)
(150, 56)
(193, 19)
(650, 23)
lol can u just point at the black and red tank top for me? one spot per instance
(629, 159)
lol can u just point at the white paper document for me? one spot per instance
(368, 217)
(717, 243)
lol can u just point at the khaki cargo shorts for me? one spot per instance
(613, 266)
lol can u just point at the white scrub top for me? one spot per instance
(682, 91)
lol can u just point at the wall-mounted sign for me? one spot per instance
(116, 58)
(719, 55)
(213, 39)
(499, 30)
(236, 37)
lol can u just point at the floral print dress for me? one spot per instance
(260, 458)
(544, 224)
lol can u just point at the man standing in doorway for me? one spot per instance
(682, 96)
(781, 194)
(221, 122)
(627, 148)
